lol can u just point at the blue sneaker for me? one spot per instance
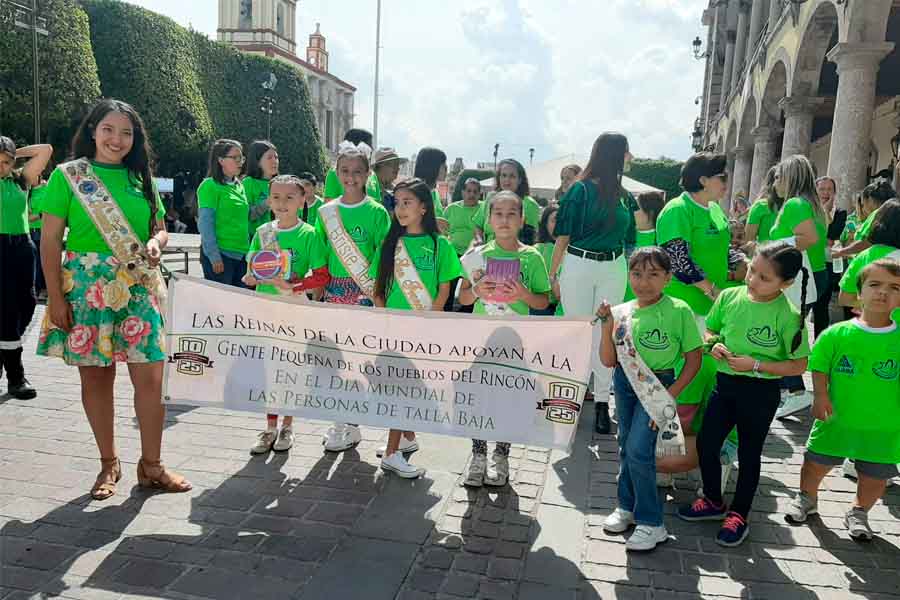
(733, 531)
(702, 510)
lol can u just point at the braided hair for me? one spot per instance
(788, 263)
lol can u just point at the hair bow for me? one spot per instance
(346, 147)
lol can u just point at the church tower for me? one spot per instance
(316, 54)
(259, 24)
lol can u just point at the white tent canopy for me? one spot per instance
(544, 177)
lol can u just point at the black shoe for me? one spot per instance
(22, 390)
(602, 424)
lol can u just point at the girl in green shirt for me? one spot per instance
(873, 197)
(650, 204)
(885, 240)
(414, 225)
(431, 167)
(758, 337)
(545, 245)
(262, 166)
(309, 212)
(511, 177)
(17, 258)
(856, 378)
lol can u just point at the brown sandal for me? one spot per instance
(155, 475)
(103, 488)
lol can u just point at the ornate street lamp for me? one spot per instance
(268, 102)
(697, 137)
(698, 44)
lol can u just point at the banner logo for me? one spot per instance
(562, 405)
(191, 358)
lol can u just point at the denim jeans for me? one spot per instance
(234, 271)
(637, 453)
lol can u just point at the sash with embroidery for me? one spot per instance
(109, 220)
(346, 249)
(653, 395)
(474, 264)
(407, 277)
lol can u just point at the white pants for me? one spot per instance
(583, 284)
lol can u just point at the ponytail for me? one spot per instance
(798, 337)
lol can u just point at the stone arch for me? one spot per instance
(775, 89)
(731, 135)
(744, 128)
(821, 31)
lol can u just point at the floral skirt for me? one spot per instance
(115, 317)
(343, 290)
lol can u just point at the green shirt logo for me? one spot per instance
(845, 366)
(763, 336)
(654, 340)
(358, 234)
(886, 369)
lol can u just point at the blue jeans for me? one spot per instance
(234, 271)
(637, 453)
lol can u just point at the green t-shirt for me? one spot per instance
(373, 188)
(582, 218)
(312, 214)
(462, 229)
(366, 222)
(257, 191)
(863, 232)
(433, 268)
(438, 206)
(530, 208)
(13, 208)
(333, 187)
(706, 231)
(644, 239)
(83, 236)
(762, 216)
(663, 332)
(305, 248)
(36, 201)
(532, 272)
(232, 213)
(864, 387)
(546, 250)
(850, 228)
(860, 261)
(762, 330)
(793, 212)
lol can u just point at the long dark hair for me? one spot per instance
(220, 149)
(788, 263)
(255, 152)
(773, 199)
(138, 161)
(523, 189)
(886, 226)
(422, 192)
(651, 203)
(428, 165)
(544, 233)
(605, 169)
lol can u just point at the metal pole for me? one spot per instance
(377, 73)
(34, 67)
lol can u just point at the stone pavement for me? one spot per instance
(312, 525)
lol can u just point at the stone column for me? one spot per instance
(743, 165)
(798, 121)
(764, 149)
(740, 46)
(857, 67)
(757, 18)
(729, 65)
(725, 202)
(712, 59)
(775, 8)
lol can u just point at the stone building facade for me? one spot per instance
(813, 77)
(268, 27)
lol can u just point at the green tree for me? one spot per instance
(662, 173)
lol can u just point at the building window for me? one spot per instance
(279, 20)
(329, 129)
(246, 15)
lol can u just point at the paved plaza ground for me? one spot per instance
(312, 525)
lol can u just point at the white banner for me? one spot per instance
(501, 379)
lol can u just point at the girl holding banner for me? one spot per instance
(413, 270)
(644, 340)
(104, 301)
(352, 228)
(503, 277)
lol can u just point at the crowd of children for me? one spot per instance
(683, 384)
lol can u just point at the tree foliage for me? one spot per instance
(67, 74)
(663, 174)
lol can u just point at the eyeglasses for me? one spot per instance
(237, 159)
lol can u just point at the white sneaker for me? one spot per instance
(619, 521)
(477, 469)
(498, 474)
(665, 481)
(857, 522)
(395, 463)
(264, 442)
(793, 403)
(646, 538)
(406, 447)
(285, 440)
(342, 437)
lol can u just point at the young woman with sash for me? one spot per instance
(309, 212)
(262, 166)
(511, 177)
(413, 270)
(224, 216)
(287, 233)
(518, 293)
(644, 340)
(758, 337)
(431, 167)
(352, 228)
(105, 299)
(885, 239)
(17, 256)
(333, 187)
(592, 227)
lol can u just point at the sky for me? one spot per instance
(544, 74)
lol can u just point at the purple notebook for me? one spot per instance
(501, 270)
